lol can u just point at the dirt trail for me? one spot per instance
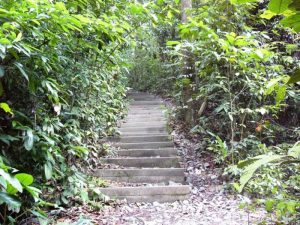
(209, 203)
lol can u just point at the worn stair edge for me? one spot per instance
(148, 179)
(151, 102)
(158, 129)
(159, 105)
(146, 138)
(143, 119)
(164, 152)
(136, 134)
(138, 172)
(145, 111)
(146, 116)
(153, 175)
(144, 145)
(143, 125)
(145, 162)
(143, 98)
(138, 138)
(154, 198)
(146, 190)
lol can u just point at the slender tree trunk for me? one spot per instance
(188, 69)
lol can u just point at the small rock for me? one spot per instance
(194, 191)
(155, 204)
(213, 177)
(190, 168)
(202, 189)
(185, 202)
(198, 172)
(189, 180)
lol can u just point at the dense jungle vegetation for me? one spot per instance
(231, 68)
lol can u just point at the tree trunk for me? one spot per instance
(188, 69)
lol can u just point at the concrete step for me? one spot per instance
(145, 145)
(164, 152)
(144, 124)
(139, 119)
(144, 107)
(143, 98)
(139, 94)
(159, 105)
(146, 130)
(155, 111)
(144, 120)
(147, 138)
(152, 102)
(148, 194)
(132, 134)
(144, 162)
(153, 175)
(145, 113)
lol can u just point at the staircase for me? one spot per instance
(149, 163)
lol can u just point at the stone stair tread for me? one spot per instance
(144, 145)
(151, 102)
(145, 162)
(144, 125)
(148, 194)
(134, 134)
(157, 129)
(146, 138)
(164, 152)
(139, 172)
(145, 176)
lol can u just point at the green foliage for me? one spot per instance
(243, 93)
(12, 186)
(62, 86)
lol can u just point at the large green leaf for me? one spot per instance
(7, 138)
(236, 2)
(278, 6)
(34, 192)
(295, 78)
(292, 22)
(11, 180)
(10, 201)
(250, 169)
(295, 5)
(295, 151)
(5, 107)
(21, 69)
(24, 178)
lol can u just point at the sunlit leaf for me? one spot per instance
(278, 6)
(5, 107)
(295, 78)
(24, 178)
